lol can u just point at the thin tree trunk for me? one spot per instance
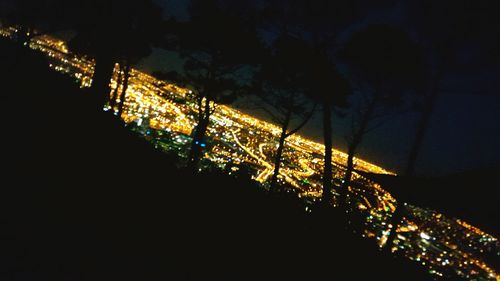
(356, 141)
(277, 160)
(123, 95)
(196, 151)
(279, 151)
(430, 103)
(114, 96)
(285, 133)
(327, 138)
(103, 71)
(396, 220)
(347, 177)
(422, 127)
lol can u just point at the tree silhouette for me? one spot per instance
(282, 84)
(120, 100)
(330, 90)
(113, 31)
(130, 56)
(465, 22)
(219, 51)
(384, 62)
(115, 93)
(444, 36)
(320, 24)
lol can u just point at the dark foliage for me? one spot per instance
(76, 207)
(331, 90)
(282, 84)
(384, 63)
(220, 53)
(113, 31)
(468, 26)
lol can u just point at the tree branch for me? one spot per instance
(304, 121)
(273, 116)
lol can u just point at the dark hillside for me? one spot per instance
(84, 198)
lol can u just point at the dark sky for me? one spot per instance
(176, 8)
(465, 128)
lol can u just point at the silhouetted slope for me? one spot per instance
(86, 199)
(469, 196)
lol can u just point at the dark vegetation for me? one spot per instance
(282, 85)
(87, 199)
(460, 195)
(216, 69)
(83, 198)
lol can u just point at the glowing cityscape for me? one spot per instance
(164, 114)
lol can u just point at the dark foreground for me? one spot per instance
(83, 198)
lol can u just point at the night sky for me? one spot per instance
(465, 130)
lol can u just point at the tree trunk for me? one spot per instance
(114, 96)
(103, 71)
(353, 146)
(277, 160)
(347, 177)
(279, 151)
(196, 152)
(123, 95)
(396, 219)
(327, 169)
(430, 103)
(423, 124)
